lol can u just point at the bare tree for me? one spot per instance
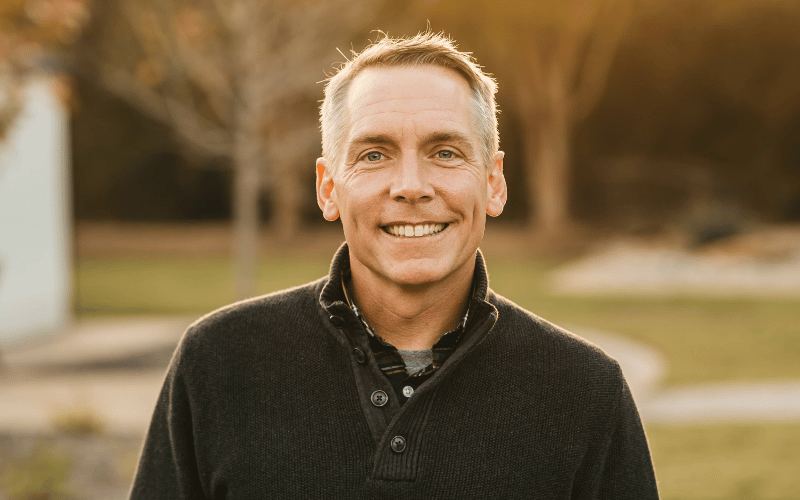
(225, 75)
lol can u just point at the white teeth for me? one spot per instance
(409, 231)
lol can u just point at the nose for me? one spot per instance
(410, 182)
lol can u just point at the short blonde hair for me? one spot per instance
(422, 49)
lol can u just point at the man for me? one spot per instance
(401, 374)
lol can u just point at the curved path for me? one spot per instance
(113, 368)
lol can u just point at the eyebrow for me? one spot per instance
(453, 137)
(372, 139)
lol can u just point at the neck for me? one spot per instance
(412, 317)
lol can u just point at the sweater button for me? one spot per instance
(408, 391)
(337, 321)
(359, 354)
(398, 444)
(379, 398)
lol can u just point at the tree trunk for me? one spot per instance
(245, 203)
(548, 155)
(246, 113)
(287, 200)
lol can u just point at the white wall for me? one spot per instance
(35, 218)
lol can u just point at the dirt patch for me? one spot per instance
(763, 262)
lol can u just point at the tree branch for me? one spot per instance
(609, 29)
(199, 134)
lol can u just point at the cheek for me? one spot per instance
(462, 184)
(359, 210)
(467, 199)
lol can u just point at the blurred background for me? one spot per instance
(156, 162)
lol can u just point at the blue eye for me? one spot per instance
(445, 154)
(373, 156)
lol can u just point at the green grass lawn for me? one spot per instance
(174, 285)
(727, 462)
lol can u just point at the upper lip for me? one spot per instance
(407, 223)
(412, 223)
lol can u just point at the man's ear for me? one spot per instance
(325, 197)
(497, 189)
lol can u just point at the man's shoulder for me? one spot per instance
(275, 311)
(547, 343)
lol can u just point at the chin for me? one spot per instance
(415, 279)
(416, 273)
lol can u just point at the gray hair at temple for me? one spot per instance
(424, 48)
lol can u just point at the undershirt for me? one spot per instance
(416, 360)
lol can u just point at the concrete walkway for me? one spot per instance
(113, 368)
(724, 402)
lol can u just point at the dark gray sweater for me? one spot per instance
(270, 398)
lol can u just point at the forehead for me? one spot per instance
(422, 97)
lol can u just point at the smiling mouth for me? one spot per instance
(414, 230)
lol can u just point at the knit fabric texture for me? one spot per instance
(274, 397)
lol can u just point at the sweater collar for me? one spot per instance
(333, 300)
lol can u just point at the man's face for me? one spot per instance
(412, 189)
